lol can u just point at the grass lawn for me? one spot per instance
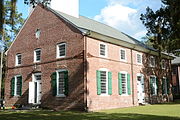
(149, 112)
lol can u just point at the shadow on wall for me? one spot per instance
(147, 71)
(75, 98)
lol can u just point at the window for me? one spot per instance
(37, 55)
(163, 64)
(122, 54)
(38, 33)
(61, 50)
(124, 83)
(153, 85)
(103, 75)
(18, 59)
(104, 82)
(103, 50)
(62, 78)
(16, 85)
(152, 61)
(139, 58)
(164, 86)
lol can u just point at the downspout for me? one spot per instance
(132, 74)
(85, 69)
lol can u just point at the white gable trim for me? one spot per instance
(20, 30)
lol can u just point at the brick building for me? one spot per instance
(176, 77)
(59, 61)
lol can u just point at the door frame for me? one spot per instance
(142, 78)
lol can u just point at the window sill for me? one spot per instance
(104, 95)
(123, 60)
(103, 56)
(61, 96)
(124, 95)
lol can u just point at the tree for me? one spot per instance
(10, 31)
(164, 23)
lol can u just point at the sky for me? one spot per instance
(123, 15)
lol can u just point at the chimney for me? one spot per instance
(70, 7)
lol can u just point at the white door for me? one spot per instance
(35, 89)
(140, 89)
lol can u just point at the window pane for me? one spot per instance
(103, 81)
(139, 59)
(18, 84)
(19, 59)
(38, 55)
(124, 83)
(62, 50)
(61, 83)
(123, 54)
(102, 50)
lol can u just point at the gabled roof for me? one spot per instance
(97, 27)
(101, 31)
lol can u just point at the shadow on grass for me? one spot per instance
(49, 115)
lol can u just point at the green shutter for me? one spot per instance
(157, 84)
(20, 85)
(168, 86)
(66, 90)
(54, 83)
(151, 85)
(98, 82)
(12, 86)
(110, 83)
(128, 84)
(120, 83)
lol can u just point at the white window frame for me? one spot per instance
(16, 62)
(155, 84)
(35, 55)
(124, 60)
(15, 85)
(126, 73)
(153, 61)
(163, 62)
(106, 50)
(137, 58)
(166, 89)
(57, 81)
(105, 69)
(57, 50)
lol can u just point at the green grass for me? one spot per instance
(149, 112)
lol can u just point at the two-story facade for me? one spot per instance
(63, 62)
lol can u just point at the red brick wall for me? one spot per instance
(53, 31)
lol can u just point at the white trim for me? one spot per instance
(57, 50)
(106, 50)
(57, 81)
(106, 70)
(35, 55)
(137, 58)
(16, 59)
(123, 60)
(20, 31)
(126, 73)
